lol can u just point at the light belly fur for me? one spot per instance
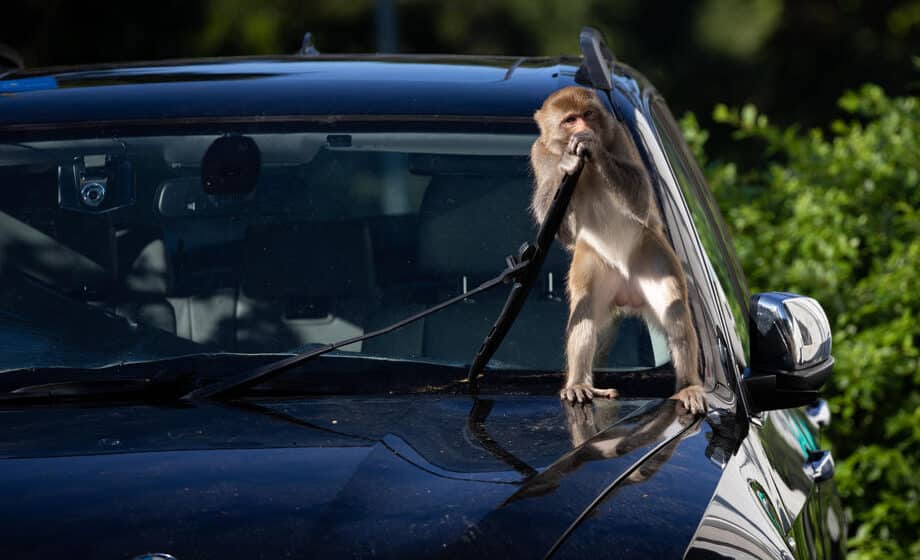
(611, 232)
(615, 237)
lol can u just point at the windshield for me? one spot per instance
(150, 246)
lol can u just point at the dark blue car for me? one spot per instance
(206, 274)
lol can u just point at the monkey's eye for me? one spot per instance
(569, 119)
(589, 113)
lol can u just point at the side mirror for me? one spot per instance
(790, 351)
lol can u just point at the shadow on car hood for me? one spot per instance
(400, 476)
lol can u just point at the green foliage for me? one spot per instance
(835, 214)
(718, 30)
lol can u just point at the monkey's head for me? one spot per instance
(568, 111)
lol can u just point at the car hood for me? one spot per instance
(396, 476)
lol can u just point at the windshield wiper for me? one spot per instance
(521, 269)
(532, 256)
(92, 390)
(154, 379)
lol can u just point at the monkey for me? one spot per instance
(622, 264)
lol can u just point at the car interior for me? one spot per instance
(283, 241)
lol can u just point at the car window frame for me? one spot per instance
(724, 377)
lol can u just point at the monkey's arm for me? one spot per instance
(548, 177)
(620, 166)
(630, 175)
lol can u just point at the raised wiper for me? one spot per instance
(521, 269)
(532, 256)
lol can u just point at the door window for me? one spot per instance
(717, 247)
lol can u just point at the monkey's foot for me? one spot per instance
(691, 397)
(582, 392)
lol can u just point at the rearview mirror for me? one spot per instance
(790, 351)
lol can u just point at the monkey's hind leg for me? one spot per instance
(606, 336)
(589, 286)
(663, 286)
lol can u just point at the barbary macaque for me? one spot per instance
(621, 261)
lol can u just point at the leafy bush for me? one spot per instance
(835, 214)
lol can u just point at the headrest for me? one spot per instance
(469, 224)
(307, 260)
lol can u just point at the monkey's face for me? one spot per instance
(567, 112)
(577, 121)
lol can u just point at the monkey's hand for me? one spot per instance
(570, 163)
(691, 397)
(582, 392)
(581, 146)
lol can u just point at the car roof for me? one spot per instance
(508, 88)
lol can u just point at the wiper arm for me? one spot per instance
(532, 256)
(270, 370)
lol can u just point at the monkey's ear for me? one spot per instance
(538, 117)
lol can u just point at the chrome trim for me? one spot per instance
(819, 414)
(820, 466)
(799, 323)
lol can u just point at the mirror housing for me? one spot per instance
(790, 351)
(597, 61)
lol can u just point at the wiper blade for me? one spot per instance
(90, 389)
(168, 379)
(161, 378)
(532, 256)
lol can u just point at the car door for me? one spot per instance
(785, 468)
